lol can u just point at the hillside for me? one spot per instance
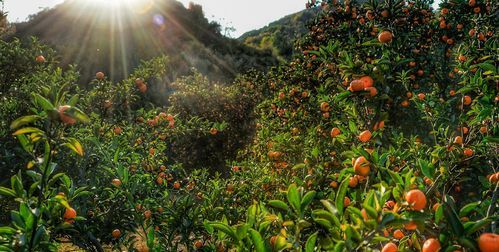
(116, 41)
(279, 36)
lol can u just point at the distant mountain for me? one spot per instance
(115, 40)
(279, 36)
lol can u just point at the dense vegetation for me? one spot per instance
(380, 135)
(279, 36)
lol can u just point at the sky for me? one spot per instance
(243, 15)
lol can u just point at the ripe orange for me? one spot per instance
(117, 130)
(356, 85)
(411, 226)
(198, 244)
(416, 199)
(116, 182)
(365, 136)
(421, 96)
(213, 131)
(64, 118)
(353, 182)
(372, 91)
(390, 247)
(483, 130)
(176, 185)
(99, 75)
(335, 132)
(159, 180)
(116, 233)
(325, 107)
(472, 2)
(488, 242)
(458, 140)
(346, 201)
(143, 88)
(405, 103)
(468, 152)
(333, 184)
(40, 59)
(431, 245)
(367, 80)
(398, 234)
(69, 215)
(461, 58)
(466, 100)
(147, 214)
(361, 166)
(379, 125)
(385, 37)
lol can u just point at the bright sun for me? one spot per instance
(118, 3)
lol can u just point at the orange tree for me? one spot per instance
(384, 129)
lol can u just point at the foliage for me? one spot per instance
(383, 129)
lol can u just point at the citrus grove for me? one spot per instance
(381, 135)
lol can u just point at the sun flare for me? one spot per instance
(118, 3)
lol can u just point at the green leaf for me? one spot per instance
(77, 114)
(7, 192)
(452, 217)
(74, 145)
(310, 244)
(279, 204)
(477, 226)
(258, 241)
(468, 209)
(43, 103)
(306, 200)
(7, 231)
(294, 198)
(340, 196)
(427, 168)
(27, 130)
(323, 214)
(224, 228)
(21, 121)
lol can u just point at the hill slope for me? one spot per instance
(279, 36)
(115, 40)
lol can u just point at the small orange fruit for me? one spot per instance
(390, 247)
(69, 215)
(176, 185)
(372, 91)
(421, 96)
(117, 130)
(416, 199)
(398, 234)
(65, 118)
(116, 233)
(367, 80)
(353, 182)
(346, 201)
(405, 103)
(361, 166)
(325, 107)
(147, 214)
(116, 182)
(466, 100)
(365, 136)
(411, 226)
(198, 244)
(431, 245)
(468, 152)
(385, 37)
(99, 75)
(458, 140)
(356, 85)
(488, 242)
(335, 132)
(40, 59)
